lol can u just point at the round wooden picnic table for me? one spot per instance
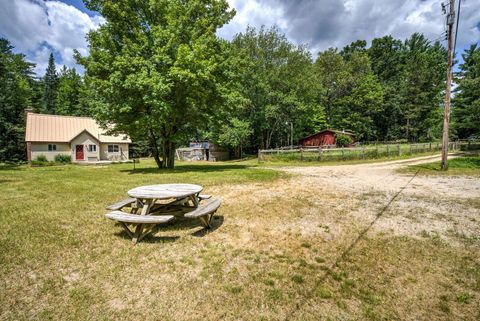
(165, 191)
(148, 195)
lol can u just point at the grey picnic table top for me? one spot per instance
(164, 191)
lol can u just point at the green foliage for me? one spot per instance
(71, 94)
(63, 158)
(50, 82)
(235, 134)
(421, 87)
(40, 160)
(279, 86)
(15, 95)
(466, 102)
(343, 140)
(156, 68)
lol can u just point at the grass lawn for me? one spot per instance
(282, 248)
(296, 162)
(468, 165)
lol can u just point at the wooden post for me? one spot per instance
(259, 155)
(430, 147)
(319, 153)
(301, 154)
(446, 112)
(388, 152)
(398, 146)
(363, 152)
(411, 149)
(343, 154)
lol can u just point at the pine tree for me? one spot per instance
(16, 76)
(70, 92)
(466, 103)
(50, 87)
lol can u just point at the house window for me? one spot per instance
(92, 148)
(52, 147)
(113, 148)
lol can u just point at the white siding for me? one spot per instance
(85, 139)
(42, 149)
(122, 153)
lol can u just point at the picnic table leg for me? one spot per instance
(139, 229)
(194, 199)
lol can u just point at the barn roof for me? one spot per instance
(55, 128)
(331, 130)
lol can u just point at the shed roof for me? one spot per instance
(331, 130)
(55, 128)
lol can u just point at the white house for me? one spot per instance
(80, 137)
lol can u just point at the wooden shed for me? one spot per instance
(326, 137)
(202, 150)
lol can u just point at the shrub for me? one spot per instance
(63, 158)
(343, 140)
(40, 160)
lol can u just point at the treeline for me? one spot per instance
(265, 87)
(389, 91)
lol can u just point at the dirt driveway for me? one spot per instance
(371, 242)
(447, 204)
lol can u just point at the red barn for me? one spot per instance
(324, 138)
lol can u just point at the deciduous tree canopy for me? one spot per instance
(157, 70)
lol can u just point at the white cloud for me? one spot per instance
(36, 28)
(334, 23)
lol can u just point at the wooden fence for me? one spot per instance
(320, 154)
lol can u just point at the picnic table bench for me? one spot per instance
(183, 200)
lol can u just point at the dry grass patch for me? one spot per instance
(283, 248)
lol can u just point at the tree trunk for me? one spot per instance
(155, 149)
(171, 155)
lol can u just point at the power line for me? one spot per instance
(456, 27)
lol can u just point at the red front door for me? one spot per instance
(79, 152)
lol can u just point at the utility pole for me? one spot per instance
(446, 114)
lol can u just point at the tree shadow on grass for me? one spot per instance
(186, 169)
(10, 167)
(185, 224)
(216, 222)
(150, 238)
(179, 224)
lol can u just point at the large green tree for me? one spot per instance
(278, 83)
(50, 82)
(71, 94)
(466, 103)
(16, 77)
(155, 68)
(234, 134)
(386, 56)
(422, 86)
(353, 95)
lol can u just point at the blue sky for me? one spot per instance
(38, 27)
